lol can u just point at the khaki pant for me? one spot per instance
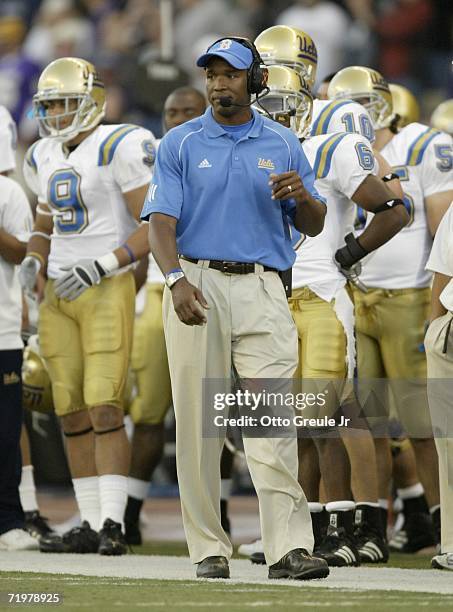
(250, 328)
(439, 353)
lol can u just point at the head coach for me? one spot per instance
(225, 188)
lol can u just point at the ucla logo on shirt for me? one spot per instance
(268, 164)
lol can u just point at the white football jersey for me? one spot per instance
(332, 116)
(340, 162)
(8, 141)
(422, 158)
(85, 189)
(15, 219)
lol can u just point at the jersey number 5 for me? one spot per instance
(64, 195)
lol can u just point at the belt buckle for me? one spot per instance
(226, 267)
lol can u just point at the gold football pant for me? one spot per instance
(149, 362)
(248, 326)
(322, 343)
(86, 343)
(390, 329)
(439, 353)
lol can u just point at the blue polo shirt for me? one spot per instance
(217, 187)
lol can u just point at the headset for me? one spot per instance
(256, 74)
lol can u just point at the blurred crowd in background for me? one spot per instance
(142, 57)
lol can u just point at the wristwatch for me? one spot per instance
(173, 277)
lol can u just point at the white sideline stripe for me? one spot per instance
(242, 571)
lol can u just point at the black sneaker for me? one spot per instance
(224, 519)
(417, 533)
(78, 540)
(338, 547)
(368, 534)
(37, 525)
(299, 565)
(133, 534)
(213, 567)
(111, 539)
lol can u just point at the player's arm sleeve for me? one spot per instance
(352, 162)
(134, 159)
(17, 219)
(165, 193)
(442, 250)
(437, 169)
(8, 136)
(30, 171)
(301, 165)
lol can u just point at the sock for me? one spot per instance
(27, 490)
(87, 495)
(340, 506)
(113, 496)
(318, 521)
(137, 488)
(226, 484)
(410, 492)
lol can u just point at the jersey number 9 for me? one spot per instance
(64, 195)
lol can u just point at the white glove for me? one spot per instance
(28, 272)
(82, 275)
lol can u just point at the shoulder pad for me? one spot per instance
(323, 159)
(320, 126)
(419, 145)
(110, 143)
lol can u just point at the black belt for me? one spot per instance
(230, 267)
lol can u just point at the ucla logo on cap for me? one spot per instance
(225, 43)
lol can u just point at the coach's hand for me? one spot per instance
(286, 186)
(189, 302)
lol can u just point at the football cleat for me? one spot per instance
(417, 533)
(338, 547)
(443, 561)
(17, 539)
(37, 525)
(111, 539)
(254, 551)
(368, 534)
(80, 540)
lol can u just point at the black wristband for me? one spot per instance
(388, 205)
(351, 253)
(390, 177)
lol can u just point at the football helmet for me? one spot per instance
(404, 105)
(36, 387)
(289, 47)
(369, 88)
(442, 117)
(77, 84)
(289, 100)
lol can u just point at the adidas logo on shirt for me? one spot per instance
(204, 164)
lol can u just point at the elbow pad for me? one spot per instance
(387, 205)
(351, 253)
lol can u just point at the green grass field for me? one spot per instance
(99, 593)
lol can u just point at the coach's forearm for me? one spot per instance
(310, 214)
(162, 240)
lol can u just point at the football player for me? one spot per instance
(91, 181)
(345, 169)
(405, 106)
(149, 355)
(284, 45)
(15, 226)
(390, 317)
(442, 117)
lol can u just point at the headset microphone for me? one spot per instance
(226, 101)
